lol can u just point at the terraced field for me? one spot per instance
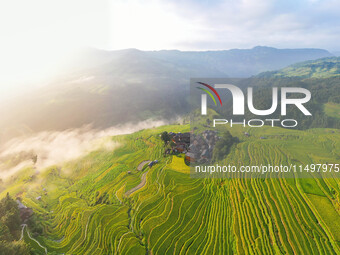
(86, 209)
(332, 109)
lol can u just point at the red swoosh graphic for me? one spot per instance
(213, 90)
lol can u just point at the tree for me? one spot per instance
(222, 146)
(165, 137)
(5, 235)
(10, 215)
(35, 229)
(34, 159)
(10, 228)
(13, 248)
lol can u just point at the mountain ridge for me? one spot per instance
(110, 88)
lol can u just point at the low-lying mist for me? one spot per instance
(54, 147)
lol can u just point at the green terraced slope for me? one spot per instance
(332, 110)
(86, 209)
(319, 68)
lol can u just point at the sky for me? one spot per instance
(38, 36)
(218, 25)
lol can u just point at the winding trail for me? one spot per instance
(139, 186)
(142, 164)
(29, 236)
(143, 178)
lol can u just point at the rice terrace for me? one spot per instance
(173, 213)
(170, 127)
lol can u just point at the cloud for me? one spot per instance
(57, 147)
(275, 23)
(36, 43)
(202, 25)
(148, 25)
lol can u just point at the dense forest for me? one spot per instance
(10, 229)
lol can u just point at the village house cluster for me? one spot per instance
(201, 147)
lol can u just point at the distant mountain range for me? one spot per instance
(231, 63)
(112, 87)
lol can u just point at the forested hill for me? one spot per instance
(320, 68)
(321, 77)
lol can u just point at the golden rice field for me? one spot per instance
(85, 209)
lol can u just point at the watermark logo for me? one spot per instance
(204, 97)
(239, 99)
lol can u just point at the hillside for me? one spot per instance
(321, 77)
(231, 63)
(323, 105)
(243, 62)
(320, 68)
(174, 213)
(332, 109)
(107, 88)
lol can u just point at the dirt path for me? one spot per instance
(29, 236)
(143, 178)
(141, 165)
(139, 186)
